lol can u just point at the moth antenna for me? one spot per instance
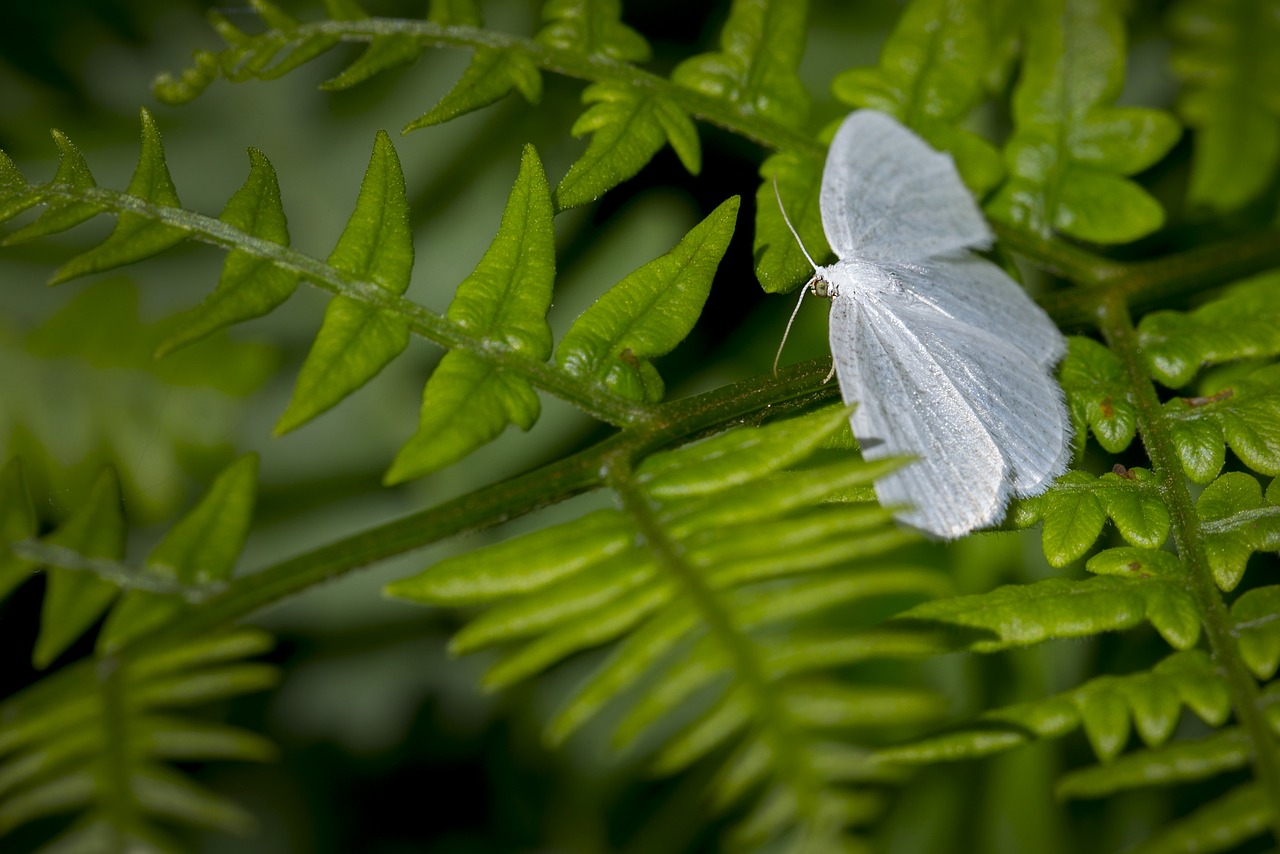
(777, 356)
(777, 195)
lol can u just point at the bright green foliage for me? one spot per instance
(1245, 416)
(1224, 51)
(75, 599)
(755, 71)
(1244, 323)
(717, 551)
(104, 751)
(17, 522)
(199, 550)
(648, 313)
(1098, 395)
(60, 214)
(1257, 623)
(1241, 814)
(469, 402)
(780, 262)
(357, 340)
(491, 76)
(1238, 521)
(15, 193)
(136, 236)
(455, 13)
(627, 127)
(1077, 506)
(1107, 707)
(1176, 762)
(382, 53)
(250, 286)
(1071, 147)
(592, 27)
(930, 77)
(1133, 586)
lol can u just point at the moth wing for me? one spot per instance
(890, 198)
(907, 407)
(976, 292)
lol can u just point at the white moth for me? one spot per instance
(947, 357)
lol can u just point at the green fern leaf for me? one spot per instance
(1257, 623)
(61, 214)
(1179, 762)
(1077, 506)
(1224, 51)
(136, 236)
(1071, 147)
(648, 313)
(930, 77)
(383, 52)
(1098, 395)
(1106, 707)
(1244, 416)
(492, 75)
(1220, 825)
(249, 286)
(17, 522)
(1133, 587)
(190, 83)
(455, 13)
(76, 599)
(256, 54)
(1237, 521)
(627, 126)
(593, 28)
(200, 549)
(357, 340)
(1244, 323)
(780, 261)
(15, 193)
(761, 46)
(469, 402)
(102, 751)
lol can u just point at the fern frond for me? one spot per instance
(1243, 416)
(699, 580)
(592, 28)
(105, 754)
(1241, 814)
(1071, 147)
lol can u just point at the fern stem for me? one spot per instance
(599, 404)
(749, 671)
(1117, 326)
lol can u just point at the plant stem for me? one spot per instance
(1117, 326)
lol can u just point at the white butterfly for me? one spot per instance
(947, 357)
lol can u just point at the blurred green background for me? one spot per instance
(388, 746)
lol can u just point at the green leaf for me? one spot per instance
(468, 402)
(200, 549)
(250, 286)
(383, 52)
(1245, 416)
(61, 214)
(628, 127)
(1224, 52)
(1071, 147)
(1256, 615)
(356, 339)
(1098, 395)
(190, 83)
(1243, 323)
(648, 313)
(76, 599)
(1220, 825)
(490, 77)
(930, 77)
(1237, 521)
(1027, 614)
(593, 28)
(17, 522)
(455, 13)
(16, 195)
(761, 46)
(1180, 762)
(136, 236)
(1077, 506)
(780, 262)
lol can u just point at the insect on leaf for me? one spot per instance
(468, 402)
(357, 339)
